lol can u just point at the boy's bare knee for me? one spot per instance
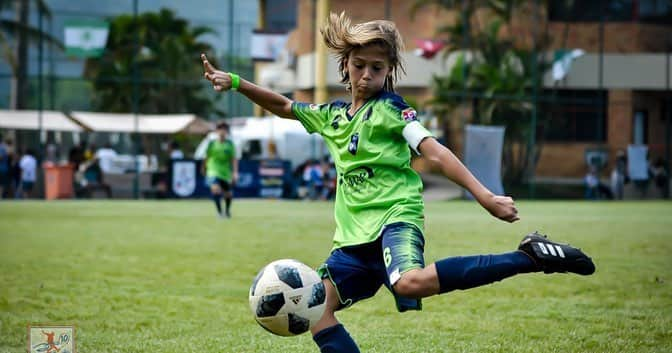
(410, 285)
(418, 283)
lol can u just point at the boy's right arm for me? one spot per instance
(267, 99)
(502, 207)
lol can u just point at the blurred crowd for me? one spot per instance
(316, 179)
(18, 170)
(656, 173)
(21, 168)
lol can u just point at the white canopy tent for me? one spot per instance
(290, 137)
(30, 120)
(146, 123)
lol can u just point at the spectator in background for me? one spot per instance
(76, 155)
(52, 153)
(312, 179)
(13, 181)
(316, 180)
(595, 189)
(28, 165)
(89, 152)
(591, 180)
(15, 173)
(174, 150)
(5, 165)
(660, 175)
(89, 178)
(106, 156)
(619, 175)
(330, 177)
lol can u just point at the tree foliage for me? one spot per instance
(159, 50)
(494, 71)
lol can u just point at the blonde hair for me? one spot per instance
(341, 38)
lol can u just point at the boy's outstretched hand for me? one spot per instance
(221, 81)
(502, 207)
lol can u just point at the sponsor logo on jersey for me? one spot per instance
(409, 114)
(356, 177)
(313, 107)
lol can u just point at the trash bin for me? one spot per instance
(58, 181)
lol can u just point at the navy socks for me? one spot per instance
(227, 203)
(335, 339)
(473, 271)
(218, 203)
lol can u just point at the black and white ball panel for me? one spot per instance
(289, 274)
(287, 297)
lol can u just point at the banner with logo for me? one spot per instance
(184, 178)
(273, 177)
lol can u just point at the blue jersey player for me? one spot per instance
(379, 208)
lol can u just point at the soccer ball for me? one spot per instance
(287, 297)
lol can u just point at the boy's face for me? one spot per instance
(368, 67)
(223, 133)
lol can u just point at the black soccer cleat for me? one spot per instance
(552, 257)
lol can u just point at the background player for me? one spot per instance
(221, 168)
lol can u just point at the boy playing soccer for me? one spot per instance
(221, 169)
(379, 207)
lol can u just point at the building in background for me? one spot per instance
(624, 74)
(64, 85)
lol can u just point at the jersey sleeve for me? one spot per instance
(207, 149)
(403, 119)
(313, 117)
(234, 151)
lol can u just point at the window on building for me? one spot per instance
(650, 11)
(591, 11)
(575, 115)
(280, 15)
(655, 11)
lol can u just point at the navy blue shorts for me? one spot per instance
(27, 185)
(358, 271)
(223, 184)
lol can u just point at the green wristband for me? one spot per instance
(235, 81)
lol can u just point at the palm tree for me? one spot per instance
(493, 72)
(15, 36)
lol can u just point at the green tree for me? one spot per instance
(159, 50)
(493, 72)
(15, 36)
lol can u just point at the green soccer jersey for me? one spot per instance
(376, 184)
(220, 158)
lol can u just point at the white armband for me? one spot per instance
(414, 133)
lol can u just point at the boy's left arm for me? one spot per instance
(234, 163)
(501, 207)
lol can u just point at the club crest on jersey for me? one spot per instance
(409, 114)
(313, 107)
(354, 141)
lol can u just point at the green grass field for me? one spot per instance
(170, 277)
